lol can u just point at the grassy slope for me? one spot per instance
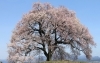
(63, 62)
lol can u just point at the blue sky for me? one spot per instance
(11, 11)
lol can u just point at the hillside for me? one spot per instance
(63, 62)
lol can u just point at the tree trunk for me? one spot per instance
(48, 59)
(49, 56)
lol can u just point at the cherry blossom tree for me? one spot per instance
(49, 31)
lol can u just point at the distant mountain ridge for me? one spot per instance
(80, 58)
(94, 58)
(3, 61)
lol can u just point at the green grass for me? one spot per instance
(63, 62)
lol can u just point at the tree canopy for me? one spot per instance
(49, 31)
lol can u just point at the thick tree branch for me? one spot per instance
(75, 46)
(42, 50)
(29, 50)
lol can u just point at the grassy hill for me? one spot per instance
(63, 62)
